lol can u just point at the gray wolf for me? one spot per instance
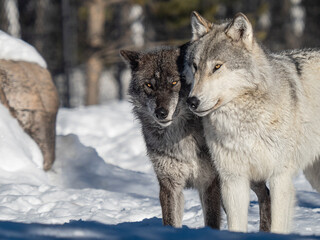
(29, 93)
(174, 136)
(261, 114)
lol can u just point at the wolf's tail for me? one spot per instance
(312, 174)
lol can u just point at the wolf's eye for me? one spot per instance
(174, 83)
(148, 85)
(216, 67)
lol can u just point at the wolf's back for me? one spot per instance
(307, 62)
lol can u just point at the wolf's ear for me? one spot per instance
(240, 29)
(199, 25)
(131, 57)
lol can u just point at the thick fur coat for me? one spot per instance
(261, 115)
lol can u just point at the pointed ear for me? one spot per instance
(199, 26)
(240, 30)
(131, 58)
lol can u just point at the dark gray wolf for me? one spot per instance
(261, 114)
(174, 137)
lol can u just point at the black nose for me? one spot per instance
(193, 102)
(161, 113)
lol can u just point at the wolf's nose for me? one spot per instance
(161, 113)
(193, 102)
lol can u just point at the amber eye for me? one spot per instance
(148, 85)
(174, 83)
(217, 66)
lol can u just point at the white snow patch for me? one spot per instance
(15, 49)
(17, 150)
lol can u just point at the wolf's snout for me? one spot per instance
(193, 102)
(161, 113)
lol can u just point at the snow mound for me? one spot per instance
(111, 130)
(18, 151)
(15, 49)
(79, 167)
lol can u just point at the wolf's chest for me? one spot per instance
(241, 146)
(232, 132)
(187, 157)
(185, 149)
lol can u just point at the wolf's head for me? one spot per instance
(156, 83)
(219, 62)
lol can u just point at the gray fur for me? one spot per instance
(178, 151)
(261, 116)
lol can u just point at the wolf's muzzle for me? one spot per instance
(193, 102)
(161, 113)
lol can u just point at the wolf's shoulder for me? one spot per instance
(299, 54)
(299, 58)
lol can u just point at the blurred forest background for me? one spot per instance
(81, 39)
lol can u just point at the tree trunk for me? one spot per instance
(13, 18)
(94, 69)
(96, 19)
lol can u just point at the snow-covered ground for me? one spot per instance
(102, 185)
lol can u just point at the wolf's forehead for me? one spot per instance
(165, 74)
(204, 45)
(159, 73)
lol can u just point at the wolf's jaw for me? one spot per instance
(206, 112)
(203, 113)
(164, 123)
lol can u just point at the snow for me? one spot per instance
(17, 50)
(151, 229)
(102, 185)
(20, 151)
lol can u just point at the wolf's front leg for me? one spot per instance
(211, 204)
(172, 204)
(235, 199)
(282, 202)
(263, 195)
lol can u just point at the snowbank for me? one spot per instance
(19, 153)
(17, 50)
